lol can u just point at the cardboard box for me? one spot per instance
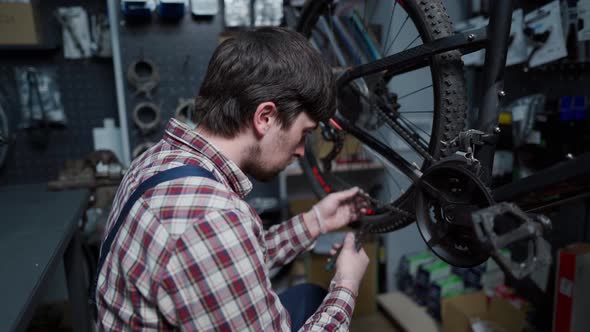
(19, 24)
(572, 289)
(443, 288)
(460, 313)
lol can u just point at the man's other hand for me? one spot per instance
(338, 209)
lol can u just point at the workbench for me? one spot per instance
(38, 229)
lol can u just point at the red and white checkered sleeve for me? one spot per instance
(215, 278)
(287, 240)
(335, 312)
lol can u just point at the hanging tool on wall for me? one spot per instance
(171, 10)
(99, 169)
(143, 74)
(204, 7)
(75, 32)
(40, 103)
(146, 116)
(101, 36)
(137, 11)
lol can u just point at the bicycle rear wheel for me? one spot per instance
(428, 104)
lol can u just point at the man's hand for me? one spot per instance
(351, 265)
(335, 211)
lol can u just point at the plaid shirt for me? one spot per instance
(192, 254)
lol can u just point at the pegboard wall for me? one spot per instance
(181, 53)
(87, 95)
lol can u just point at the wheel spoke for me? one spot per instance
(413, 41)
(342, 182)
(388, 28)
(365, 14)
(391, 175)
(414, 92)
(411, 124)
(397, 35)
(415, 112)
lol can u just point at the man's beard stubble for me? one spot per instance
(256, 168)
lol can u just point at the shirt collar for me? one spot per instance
(178, 134)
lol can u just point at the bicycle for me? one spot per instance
(448, 191)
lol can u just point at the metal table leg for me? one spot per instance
(77, 290)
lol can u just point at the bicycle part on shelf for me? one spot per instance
(66, 17)
(382, 109)
(447, 194)
(38, 130)
(100, 168)
(146, 116)
(501, 225)
(143, 74)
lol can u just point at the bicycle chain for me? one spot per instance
(405, 216)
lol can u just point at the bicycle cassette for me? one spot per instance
(447, 194)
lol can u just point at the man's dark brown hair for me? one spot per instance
(266, 64)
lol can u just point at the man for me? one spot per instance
(190, 253)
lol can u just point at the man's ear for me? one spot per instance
(265, 117)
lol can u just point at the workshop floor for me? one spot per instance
(373, 322)
(51, 318)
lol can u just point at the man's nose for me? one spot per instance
(300, 151)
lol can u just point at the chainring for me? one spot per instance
(446, 196)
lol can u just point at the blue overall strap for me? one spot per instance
(164, 176)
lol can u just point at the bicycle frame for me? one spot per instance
(494, 38)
